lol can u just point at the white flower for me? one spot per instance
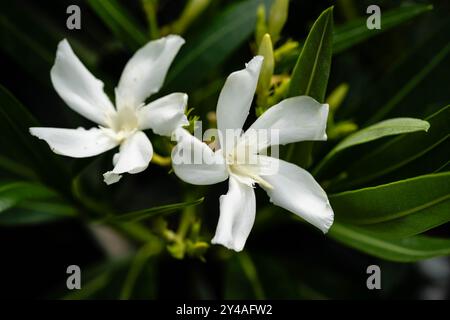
(121, 126)
(288, 186)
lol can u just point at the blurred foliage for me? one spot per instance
(385, 166)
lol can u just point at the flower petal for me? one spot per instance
(164, 115)
(294, 119)
(76, 143)
(145, 72)
(237, 215)
(295, 190)
(134, 156)
(79, 89)
(236, 98)
(194, 162)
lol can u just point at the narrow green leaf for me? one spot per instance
(137, 266)
(191, 12)
(418, 221)
(150, 9)
(402, 250)
(106, 280)
(121, 23)
(20, 47)
(356, 31)
(398, 152)
(241, 278)
(152, 212)
(383, 129)
(207, 50)
(310, 75)
(411, 84)
(100, 281)
(36, 212)
(17, 169)
(379, 130)
(13, 193)
(31, 40)
(18, 144)
(249, 269)
(30, 203)
(393, 200)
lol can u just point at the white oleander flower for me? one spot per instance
(122, 125)
(288, 186)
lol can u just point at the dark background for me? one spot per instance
(34, 258)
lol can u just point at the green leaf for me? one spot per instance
(407, 86)
(18, 144)
(310, 75)
(191, 13)
(356, 31)
(395, 200)
(379, 130)
(139, 265)
(36, 212)
(30, 54)
(31, 40)
(402, 250)
(16, 169)
(387, 220)
(13, 193)
(383, 129)
(30, 203)
(417, 221)
(121, 23)
(411, 84)
(224, 34)
(152, 212)
(398, 152)
(107, 280)
(242, 280)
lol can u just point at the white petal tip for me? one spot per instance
(175, 37)
(254, 65)
(111, 177)
(229, 244)
(63, 43)
(33, 131)
(328, 221)
(185, 99)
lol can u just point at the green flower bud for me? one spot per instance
(337, 96)
(277, 18)
(265, 76)
(261, 25)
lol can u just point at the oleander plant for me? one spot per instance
(213, 149)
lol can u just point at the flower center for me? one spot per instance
(123, 123)
(245, 165)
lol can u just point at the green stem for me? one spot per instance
(250, 270)
(149, 7)
(134, 230)
(148, 250)
(161, 161)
